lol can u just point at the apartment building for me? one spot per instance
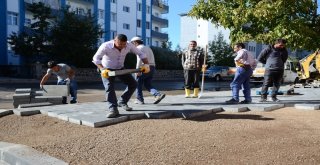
(144, 18)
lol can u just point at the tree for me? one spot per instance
(264, 20)
(220, 52)
(33, 41)
(74, 38)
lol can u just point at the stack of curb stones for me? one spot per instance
(50, 95)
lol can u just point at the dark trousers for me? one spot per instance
(145, 79)
(272, 78)
(111, 97)
(191, 78)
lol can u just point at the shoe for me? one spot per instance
(113, 113)
(262, 100)
(125, 107)
(138, 102)
(245, 102)
(232, 101)
(159, 98)
(274, 99)
(73, 101)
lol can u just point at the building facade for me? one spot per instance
(199, 30)
(142, 18)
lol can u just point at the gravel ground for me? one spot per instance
(285, 136)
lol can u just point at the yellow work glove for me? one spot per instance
(145, 68)
(104, 73)
(204, 68)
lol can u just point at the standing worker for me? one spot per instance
(192, 62)
(110, 57)
(65, 75)
(145, 79)
(245, 64)
(274, 58)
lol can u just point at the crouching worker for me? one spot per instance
(65, 75)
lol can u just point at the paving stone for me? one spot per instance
(23, 155)
(26, 111)
(38, 99)
(264, 107)
(103, 122)
(22, 90)
(235, 108)
(21, 96)
(55, 90)
(34, 105)
(307, 106)
(5, 112)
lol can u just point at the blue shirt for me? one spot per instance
(110, 57)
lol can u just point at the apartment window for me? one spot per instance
(12, 18)
(101, 14)
(113, 17)
(148, 9)
(139, 6)
(80, 11)
(27, 22)
(113, 1)
(147, 41)
(138, 23)
(147, 25)
(113, 34)
(156, 29)
(126, 26)
(126, 9)
(157, 43)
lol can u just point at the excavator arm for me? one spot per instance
(305, 64)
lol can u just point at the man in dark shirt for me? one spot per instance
(274, 58)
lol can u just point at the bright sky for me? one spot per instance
(177, 7)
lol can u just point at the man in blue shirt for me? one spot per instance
(111, 56)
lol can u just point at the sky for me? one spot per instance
(177, 7)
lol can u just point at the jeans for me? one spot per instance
(145, 79)
(191, 78)
(73, 87)
(111, 98)
(241, 79)
(272, 78)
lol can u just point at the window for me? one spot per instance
(113, 34)
(138, 23)
(147, 40)
(80, 11)
(147, 25)
(27, 22)
(101, 14)
(126, 26)
(157, 43)
(12, 18)
(113, 17)
(156, 29)
(139, 6)
(148, 9)
(126, 9)
(113, 1)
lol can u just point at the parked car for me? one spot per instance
(219, 72)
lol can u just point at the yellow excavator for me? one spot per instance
(309, 70)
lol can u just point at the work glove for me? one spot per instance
(145, 68)
(204, 68)
(67, 80)
(104, 73)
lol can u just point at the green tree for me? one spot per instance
(220, 52)
(264, 20)
(74, 38)
(33, 41)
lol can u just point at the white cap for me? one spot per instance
(136, 39)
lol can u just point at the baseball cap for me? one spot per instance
(136, 39)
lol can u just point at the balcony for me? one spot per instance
(162, 21)
(162, 5)
(159, 35)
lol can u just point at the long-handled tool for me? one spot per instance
(204, 63)
(108, 73)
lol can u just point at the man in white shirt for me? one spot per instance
(111, 56)
(145, 79)
(245, 64)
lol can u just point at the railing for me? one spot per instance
(162, 4)
(162, 21)
(159, 35)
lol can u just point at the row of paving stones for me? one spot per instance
(94, 114)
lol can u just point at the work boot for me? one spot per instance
(187, 93)
(195, 92)
(232, 101)
(263, 98)
(113, 113)
(125, 107)
(274, 99)
(159, 98)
